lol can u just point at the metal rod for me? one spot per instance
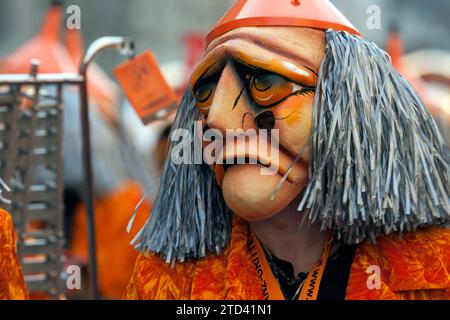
(88, 192)
(43, 79)
(124, 46)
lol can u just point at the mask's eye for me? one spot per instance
(204, 94)
(268, 89)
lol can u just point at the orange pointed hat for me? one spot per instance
(319, 14)
(45, 46)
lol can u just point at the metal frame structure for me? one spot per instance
(31, 164)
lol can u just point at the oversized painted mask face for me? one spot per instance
(261, 79)
(359, 151)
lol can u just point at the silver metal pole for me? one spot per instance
(124, 46)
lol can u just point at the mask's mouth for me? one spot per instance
(279, 163)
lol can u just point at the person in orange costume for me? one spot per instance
(12, 284)
(352, 205)
(115, 256)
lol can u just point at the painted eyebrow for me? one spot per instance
(202, 77)
(286, 65)
(295, 69)
(302, 71)
(315, 73)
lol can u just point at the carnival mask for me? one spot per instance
(261, 78)
(356, 144)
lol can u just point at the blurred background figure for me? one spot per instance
(428, 70)
(128, 156)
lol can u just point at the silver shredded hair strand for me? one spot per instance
(189, 218)
(379, 164)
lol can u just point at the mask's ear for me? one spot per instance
(189, 217)
(378, 164)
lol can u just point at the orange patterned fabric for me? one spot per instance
(229, 276)
(12, 284)
(115, 255)
(415, 267)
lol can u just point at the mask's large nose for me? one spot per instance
(231, 107)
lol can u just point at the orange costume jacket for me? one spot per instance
(414, 267)
(12, 284)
